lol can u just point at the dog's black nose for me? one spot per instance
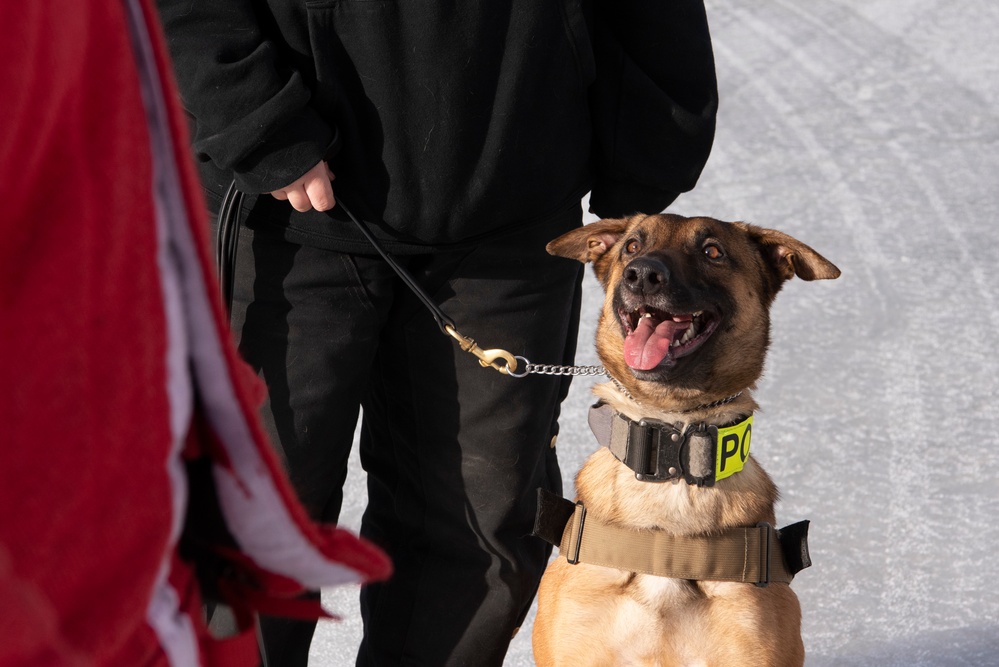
(646, 275)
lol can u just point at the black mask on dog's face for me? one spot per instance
(686, 316)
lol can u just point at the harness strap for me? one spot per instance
(756, 555)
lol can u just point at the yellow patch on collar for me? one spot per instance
(732, 448)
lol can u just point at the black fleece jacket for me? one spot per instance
(446, 121)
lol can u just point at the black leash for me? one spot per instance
(225, 254)
(443, 321)
(227, 240)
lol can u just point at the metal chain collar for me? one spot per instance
(703, 406)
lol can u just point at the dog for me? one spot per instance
(683, 333)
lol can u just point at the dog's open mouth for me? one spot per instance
(653, 336)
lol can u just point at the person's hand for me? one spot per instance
(312, 190)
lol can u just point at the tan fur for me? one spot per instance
(591, 615)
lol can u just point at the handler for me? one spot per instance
(465, 134)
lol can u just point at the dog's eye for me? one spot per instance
(712, 251)
(632, 246)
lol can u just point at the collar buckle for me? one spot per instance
(660, 452)
(657, 451)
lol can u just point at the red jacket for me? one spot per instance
(116, 364)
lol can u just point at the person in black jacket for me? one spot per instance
(465, 135)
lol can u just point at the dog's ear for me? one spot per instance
(789, 257)
(589, 242)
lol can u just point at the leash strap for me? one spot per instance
(226, 244)
(757, 555)
(501, 360)
(443, 321)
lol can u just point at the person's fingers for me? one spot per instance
(311, 190)
(298, 199)
(320, 191)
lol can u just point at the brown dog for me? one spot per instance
(670, 500)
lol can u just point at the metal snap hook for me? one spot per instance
(501, 360)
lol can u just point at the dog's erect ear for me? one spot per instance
(789, 257)
(589, 242)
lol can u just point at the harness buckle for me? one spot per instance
(766, 553)
(577, 538)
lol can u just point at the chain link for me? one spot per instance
(552, 369)
(549, 369)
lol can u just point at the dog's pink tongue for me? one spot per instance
(649, 343)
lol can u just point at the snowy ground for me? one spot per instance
(870, 130)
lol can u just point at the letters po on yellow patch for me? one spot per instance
(733, 448)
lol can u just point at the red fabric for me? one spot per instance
(85, 499)
(31, 633)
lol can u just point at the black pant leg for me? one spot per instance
(309, 327)
(455, 452)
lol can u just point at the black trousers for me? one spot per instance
(453, 452)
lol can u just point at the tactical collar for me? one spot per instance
(700, 454)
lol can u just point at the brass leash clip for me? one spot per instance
(501, 360)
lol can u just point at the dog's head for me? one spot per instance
(686, 319)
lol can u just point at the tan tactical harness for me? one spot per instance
(748, 555)
(758, 554)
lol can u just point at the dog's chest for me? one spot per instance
(611, 491)
(661, 593)
(655, 620)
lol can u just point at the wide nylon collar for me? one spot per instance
(699, 454)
